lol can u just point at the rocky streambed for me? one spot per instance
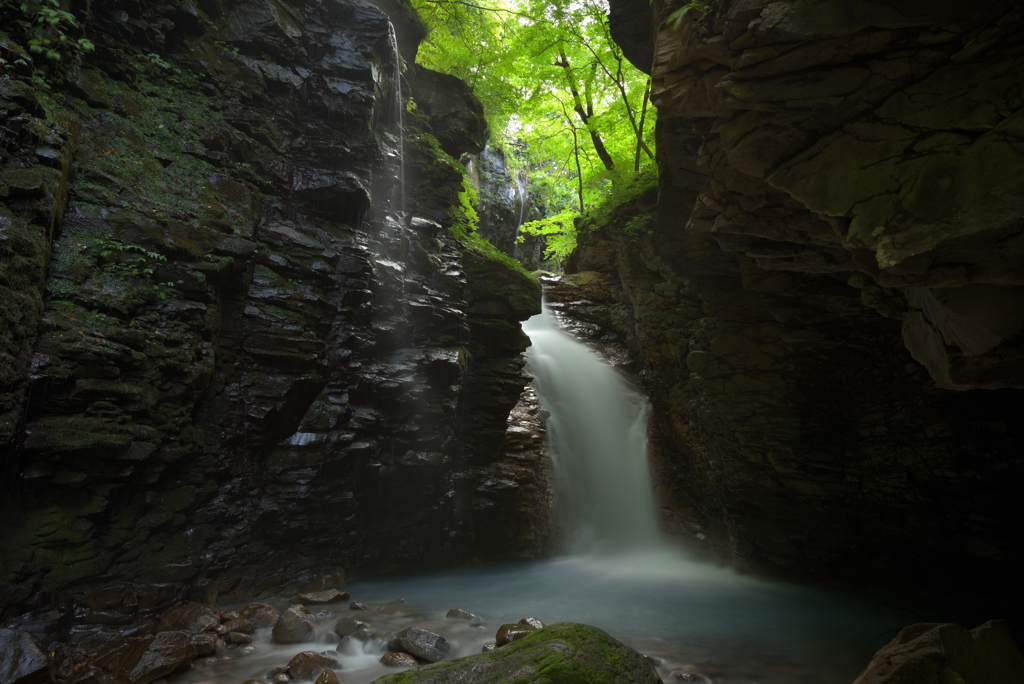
(704, 625)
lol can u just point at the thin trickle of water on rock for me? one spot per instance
(598, 434)
(399, 105)
(521, 195)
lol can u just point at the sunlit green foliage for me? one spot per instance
(559, 232)
(559, 96)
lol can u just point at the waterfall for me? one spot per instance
(597, 432)
(388, 126)
(521, 194)
(400, 108)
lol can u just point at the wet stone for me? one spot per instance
(240, 638)
(294, 626)
(328, 596)
(459, 614)
(191, 617)
(309, 664)
(205, 644)
(247, 650)
(421, 643)
(532, 622)
(102, 642)
(399, 660)
(240, 625)
(22, 659)
(349, 626)
(281, 678)
(229, 616)
(509, 633)
(328, 677)
(167, 652)
(260, 614)
(356, 605)
(488, 647)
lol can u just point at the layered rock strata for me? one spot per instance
(230, 365)
(505, 204)
(792, 432)
(835, 249)
(869, 145)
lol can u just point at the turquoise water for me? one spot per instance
(689, 616)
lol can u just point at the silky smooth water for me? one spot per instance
(597, 434)
(520, 196)
(690, 616)
(622, 576)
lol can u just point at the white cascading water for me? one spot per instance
(622, 577)
(597, 434)
(521, 196)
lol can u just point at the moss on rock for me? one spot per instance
(566, 653)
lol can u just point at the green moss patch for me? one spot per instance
(566, 653)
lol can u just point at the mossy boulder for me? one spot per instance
(566, 653)
(496, 288)
(455, 113)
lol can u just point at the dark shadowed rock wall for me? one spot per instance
(827, 293)
(226, 366)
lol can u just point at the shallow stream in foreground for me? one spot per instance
(691, 616)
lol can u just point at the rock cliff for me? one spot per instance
(231, 363)
(505, 204)
(825, 287)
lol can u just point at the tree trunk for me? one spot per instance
(640, 131)
(585, 115)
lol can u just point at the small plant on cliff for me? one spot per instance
(691, 10)
(49, 28)
(132, 261)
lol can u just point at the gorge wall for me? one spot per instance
(229, 364)
(826, 291)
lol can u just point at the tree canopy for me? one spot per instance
(570, 110)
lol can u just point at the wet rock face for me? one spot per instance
(858, 149)
(505, 203)
(805, 292)
(455, 113)
(792, 433)
(240, 373)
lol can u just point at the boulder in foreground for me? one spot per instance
(22, 658)
(294, 626)
(565, 652)
(929, 653)
(420, 643)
